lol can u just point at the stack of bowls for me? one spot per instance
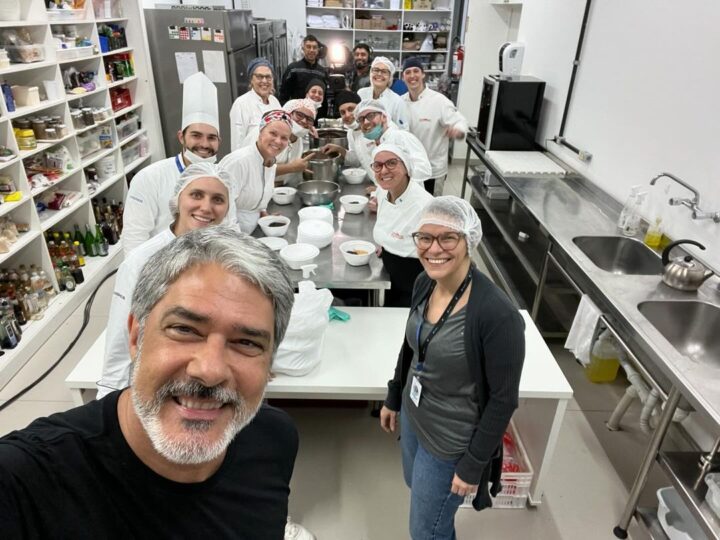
(298, 255)
(316, 212)
(315, 232)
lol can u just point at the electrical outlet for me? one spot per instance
(584, 156)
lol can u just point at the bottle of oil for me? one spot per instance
(604, 364)
(657, 225)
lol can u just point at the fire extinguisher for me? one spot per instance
(457, 60)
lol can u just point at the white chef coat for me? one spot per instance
(430, 116)
(363, 149)
(116, 366)
(397, 221)
(394, 105)
(253, 184)
(351, 157)
(245, 113)
(146, 211)
(293, 151)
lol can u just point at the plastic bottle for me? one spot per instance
(604, 364)
(629, 221)
(656, 227)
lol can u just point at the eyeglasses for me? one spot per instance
(369, 117)
(262, 77)
(446, 241)
(390, 164)
(378, 71)
(302, 117)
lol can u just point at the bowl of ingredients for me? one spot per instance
(274, 225)
(357, 252)
(353, 204)
(317, 192)
(297, 255)
(274, 242)
(354, 175)
(284, 195)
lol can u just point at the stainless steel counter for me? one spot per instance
(567, 207)
(332, 271)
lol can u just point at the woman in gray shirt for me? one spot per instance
(457, 375)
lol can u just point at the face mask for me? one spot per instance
(298, 130)
(375, 133)
(194, 158)
(317, 104)
(353, 126)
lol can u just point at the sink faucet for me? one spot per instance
(693, 204)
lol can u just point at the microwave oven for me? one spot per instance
(509, 112)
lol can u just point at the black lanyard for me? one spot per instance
(422, 348)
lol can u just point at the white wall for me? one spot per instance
(645, 99)
(486, 28)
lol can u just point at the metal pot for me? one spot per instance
(323, 166)
(329, 136)
(330, 123)
(317, 192)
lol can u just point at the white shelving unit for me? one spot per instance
(31, 247)
(387, 42)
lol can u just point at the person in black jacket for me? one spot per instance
(458, 374)
(298, 74)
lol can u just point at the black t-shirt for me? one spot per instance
(73, 475)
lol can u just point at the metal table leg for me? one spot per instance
(464, 178)
(541, 283)
(658, 435)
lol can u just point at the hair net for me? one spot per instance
(295, 104)
(398, 151)
(456, 214)
(383, 61)
(369, 105)
(201, 170)
(256, 63)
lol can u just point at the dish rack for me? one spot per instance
(515, 485)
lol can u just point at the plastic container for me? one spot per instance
(128, 127)
(604, 364)
(74, 52)
(130, 152)
(66, 14)
(675, 518)
(629, 221)
(712, 497)
(26, 54)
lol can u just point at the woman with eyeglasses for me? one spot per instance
(458, 374)
(245, 113)
(381, 78)
(399, 202)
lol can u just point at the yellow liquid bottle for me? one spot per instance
(654, 234)
(604, 364)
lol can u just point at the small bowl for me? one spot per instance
(355, 259)
(273, 242)
(297, 255)
(353, 204)
(284, 195)
(354, 176)
(315, 212)
(315, 232)
(274, 225)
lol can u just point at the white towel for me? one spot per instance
(579, 339)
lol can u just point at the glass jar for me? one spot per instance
(77, 118)
(51, 134)
(26, 139)
(87, 116)
(62, 130)
(39, 128)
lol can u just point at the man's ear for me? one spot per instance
(180, 136)
(134, 331)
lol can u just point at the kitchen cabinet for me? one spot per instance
(125, 151)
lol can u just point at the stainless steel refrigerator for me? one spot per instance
(184, 40)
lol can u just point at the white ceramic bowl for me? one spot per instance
(276, 230)
(353, 204)
(354, 176)
(315, 212)
(354, 259)
(297, 255)
(315, 232)
(273, 242)
(284, 195)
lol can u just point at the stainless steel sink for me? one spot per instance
(620, 255)
(693, 328)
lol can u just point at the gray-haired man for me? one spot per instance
(189, 450)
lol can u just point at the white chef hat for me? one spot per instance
(295, 104)
(200, 102)
(384, 61)
(369, 105)
(201, 170)
(398, 151)
(456, 214)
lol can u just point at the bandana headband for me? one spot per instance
(273, 116)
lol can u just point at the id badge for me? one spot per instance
(415, 391)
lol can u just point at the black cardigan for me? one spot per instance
(495, 350)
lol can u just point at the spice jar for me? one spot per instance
(77, 118)
(51, 134)
(39, 128)
(87, 116)
(62, 130)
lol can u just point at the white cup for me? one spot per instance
(106, 167)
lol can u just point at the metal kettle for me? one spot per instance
(684, 273)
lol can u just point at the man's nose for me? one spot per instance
(209, 363)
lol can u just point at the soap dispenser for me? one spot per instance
(629, 221)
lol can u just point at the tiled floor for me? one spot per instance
(347, 482)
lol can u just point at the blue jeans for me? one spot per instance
(432, 504)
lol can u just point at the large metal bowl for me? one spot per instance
(323, 166)
(317, 192)
(329, 136)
